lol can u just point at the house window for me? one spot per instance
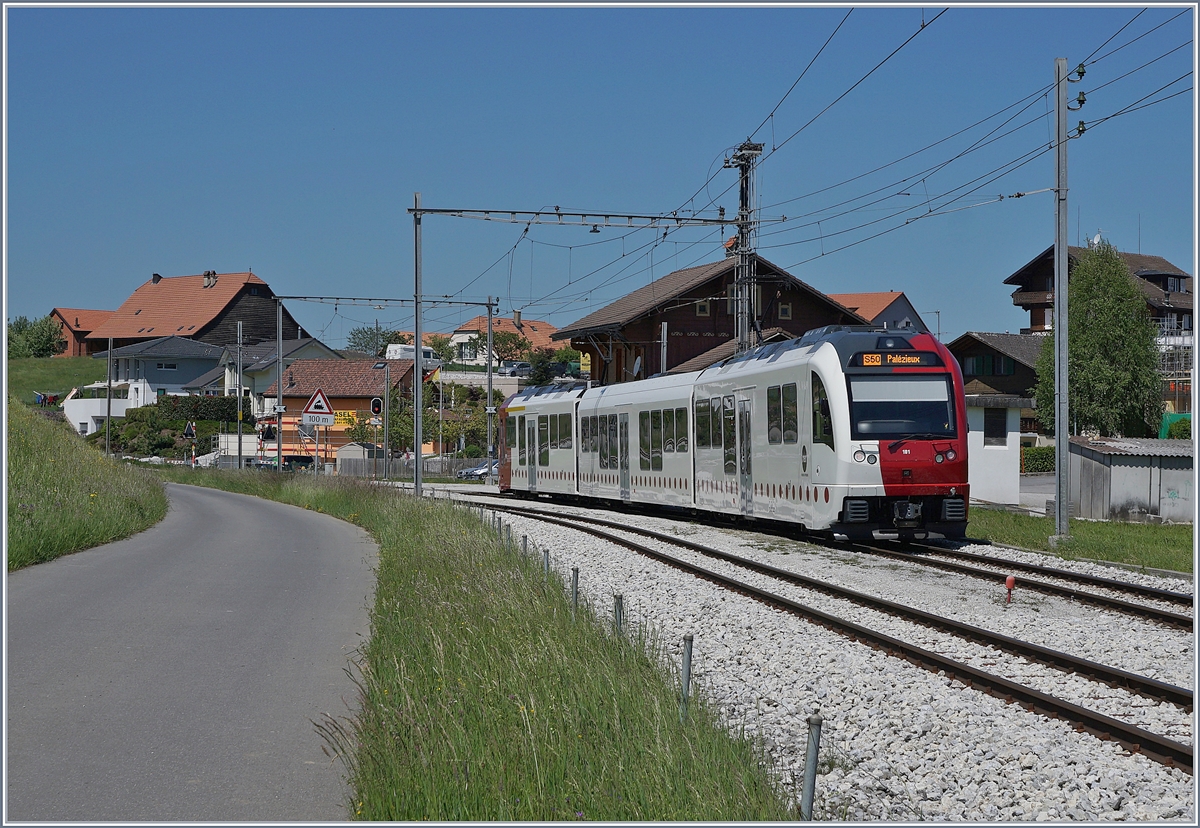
(83, 429)
(167, 366)
(702, 308)
(467, 351)
(160, 392)
(785, 310)
(995, 426)
(1176, 284)
(731, 300)
(254, 291)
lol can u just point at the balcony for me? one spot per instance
(1033, 298)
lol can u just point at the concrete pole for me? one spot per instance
(239, 391)
(279, 385)
(108, 403)
(1062, 425)
(489, 405)
(419, 379)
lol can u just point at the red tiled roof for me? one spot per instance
(536, 331)
(340, 377)
(174, 305)
(868, 305)
(81, 319)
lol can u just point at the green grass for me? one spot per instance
(1138, 544)
(483, 698)
(52, 375)
(63, 496)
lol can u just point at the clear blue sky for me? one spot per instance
(291, 141)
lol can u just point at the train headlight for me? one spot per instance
(872, 459)
(951, 454)
(860, 456)
(937, 458)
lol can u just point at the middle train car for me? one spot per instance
(855, 432)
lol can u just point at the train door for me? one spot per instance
(804, 427)
(823, 462)
(531, 456)
(745, 449)
(623, 448)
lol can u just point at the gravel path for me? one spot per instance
(899, 743)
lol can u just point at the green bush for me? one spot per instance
(472, 451)
(1180, 429)
(1035, 459)
(221, 409)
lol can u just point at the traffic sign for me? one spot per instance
(189, 431)
(318, 411)
(280, 409)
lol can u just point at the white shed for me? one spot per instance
(1120, 478)
(994, 447)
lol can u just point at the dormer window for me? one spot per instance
(136, 312)
(1176, 284)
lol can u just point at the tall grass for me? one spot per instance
(1137, 544)
(63, 496)
(484, 698)
(51, 375)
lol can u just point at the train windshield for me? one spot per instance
(916, 406)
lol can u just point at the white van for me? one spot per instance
(429, 358)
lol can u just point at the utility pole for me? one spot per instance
(489, 406)
(239, 391)
(279, 385)
(108, 403)
(744, 159)
(1062, 431)
(419, 379)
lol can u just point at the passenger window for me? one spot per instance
(543, 438)
(644, 440)
(656, 440)
(774, 415)
(510, 432)
(791, 426)
(821, 419)
(585, 434)
(715, 405)
(702, 426)
(729, 421)
(613, 444)
(521, 438)
(602, 434)
(668, 429)
(564, 431)
(681, 431)
(553, 431)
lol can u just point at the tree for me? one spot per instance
(1115, 386)
(40, 338)
(506, 345)
(567, 354)
(442, 347)
(369, 340)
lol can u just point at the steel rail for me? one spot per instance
(1112, 676)
(1134, 739)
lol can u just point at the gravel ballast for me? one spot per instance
(898, 742)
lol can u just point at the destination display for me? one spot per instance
(895, 359)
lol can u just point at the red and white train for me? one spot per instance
(854, 432)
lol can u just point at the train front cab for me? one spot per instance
(898, 412)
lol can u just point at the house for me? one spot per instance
(260, 364)
(890, 309)
(349, 384)
(76, 324)
(167, 364)
(205, 308)
(467, 337)
(1119, 478)
(1169, 299)
(1001, 365)
(625, 339)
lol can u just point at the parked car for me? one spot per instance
(479, 472)
(515, 369)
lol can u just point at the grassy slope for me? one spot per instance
(484, 699)
(54, 375)
(63, 496)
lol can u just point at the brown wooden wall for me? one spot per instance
(257, 315)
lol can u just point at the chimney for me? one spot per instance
(156, 278)
(517, 318)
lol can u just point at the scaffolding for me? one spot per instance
(1175, 364)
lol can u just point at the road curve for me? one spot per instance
(174, 676)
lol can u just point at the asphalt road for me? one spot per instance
(176, 675)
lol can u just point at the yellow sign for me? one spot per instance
(346, 418)
(872, 359)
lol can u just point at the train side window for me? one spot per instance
(668, 429)
(521, 441)
(564, 431)
(644, 440)
(656, 440)
(729, 422)
(715, 405)
(585, 434)
(510, 432)
(821, 419)
(613, 443)
(602, 439)
(774, 415)
(681, 432)
(553, 424)
(791, 425)
(702, 426)
(543, 439)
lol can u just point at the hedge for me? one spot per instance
(1035, 459)
(219, 409)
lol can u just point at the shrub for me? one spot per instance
(1036, 459)
(1180, 429)
(221, 409)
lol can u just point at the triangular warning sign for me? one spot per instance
(318, 404)
(189, 430)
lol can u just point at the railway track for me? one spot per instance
(1133, 738)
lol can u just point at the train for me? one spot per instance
(848, 432)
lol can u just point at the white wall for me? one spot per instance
(994, 472)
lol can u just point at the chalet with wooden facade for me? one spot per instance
(625, 339)
(205, 308)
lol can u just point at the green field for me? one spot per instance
(52, 375)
